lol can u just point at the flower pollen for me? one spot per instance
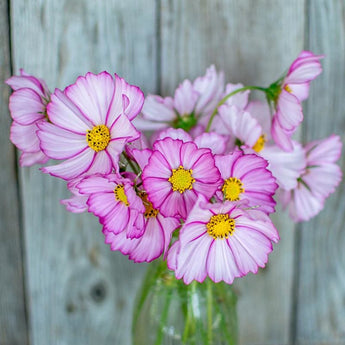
(120, 194)
(220, 226)
(288, 88)
(232, 189)
(150, 212)
(98, 137)
(260, 144)
(181, 179)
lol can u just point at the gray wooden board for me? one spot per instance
(79, 292)
(13, 326)
(321, 293)
(253, 42)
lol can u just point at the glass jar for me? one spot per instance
(168, 312)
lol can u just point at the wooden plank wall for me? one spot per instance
(77, 291)
(13, 325)
(321, 288)
(231, 32)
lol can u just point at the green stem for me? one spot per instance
(186, 327)
(189, 318)
(209, 311)
(130, 163)
(164, 318)
(223, 100)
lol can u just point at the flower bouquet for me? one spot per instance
(189, 179)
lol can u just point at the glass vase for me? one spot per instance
(168, 312)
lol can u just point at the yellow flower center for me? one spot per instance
(260, 144)
(288, 88)
(120, 194)
(181, 179)
(98, 137)
(220, 226)
(232, 188)
(149, 210)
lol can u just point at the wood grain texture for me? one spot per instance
(321, 297)
(79, 291)
(13, 325)
(253, 42)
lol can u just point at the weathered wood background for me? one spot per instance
(59, 284)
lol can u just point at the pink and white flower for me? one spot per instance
(285, 166)
(154, 241)
(214, 188)
(260, 111)
(176, 174)
(292, 91)
(157, 229)
(27, 106)
(240, 99)
(210, 88)
(244, 124)
(114, 201)
(239, 125)
(77, 202)
(222, 241)
(191, 101)
(214, 141)
(247, 177)
(251, 128)
(319, 180)
(90, 125)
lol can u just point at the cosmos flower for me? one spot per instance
(318, 181)
(291, 92)
(114, 201)
(157, 229)
(176, 174)
(251, 127)
(240, 126)
(191, 101)
(245, 176)
(238, 100)
(27, 106)
(247, 125)
(77, 202)
(214, 141)
(260, 111)
(222, 241)
(90, 125)
(285, 166)
(200, 190)
(154, 241)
